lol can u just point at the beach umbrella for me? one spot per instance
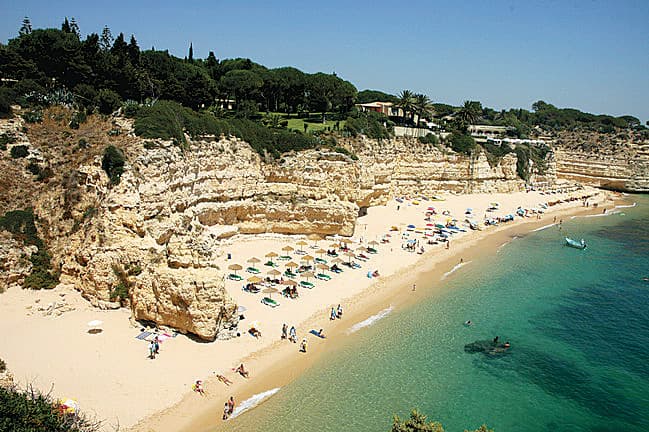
(254, 260)
(287, 249)
(290, 282)
(373, 242)
(270, 291)
(270, 256)
(350, 255)
(254, 279)
(320, 252)
(307, 275)
(315, 238)
(235, 267)
(334, 245)
(346, 240)
(241, 309)
(301, 243)
(322, 266)
(68, 405)
(291, 264)
(95, 326)
(336, 260)
(307, 258)
(411, 226)
(274, 272)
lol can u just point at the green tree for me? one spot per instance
(74, 28)
(416, 423)
(406, 103)
(367, 96)
(462, 143)
(65, 27)
(26, 27)
(190, 57)
(241, 84)
(423, 106)
(468, 114)
(106, 39)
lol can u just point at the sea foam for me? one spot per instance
(371, 320)
(543, 227)
(454, 269)
(253, 401)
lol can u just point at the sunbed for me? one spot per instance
(321, 260)
(306, 284)
(253, 270)
(269, 302)
(322, 276)
(235, 277)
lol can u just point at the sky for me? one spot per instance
(590, 55)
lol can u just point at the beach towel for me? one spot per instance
(143, 335)
(315, 333)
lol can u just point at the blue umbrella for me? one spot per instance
(411, 226)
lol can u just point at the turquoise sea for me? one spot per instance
(578, 322)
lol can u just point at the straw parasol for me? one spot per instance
(254, 279)
(291, 264)
(274, 272)
(271, 255)
(315, 238)
(235, 267)
(301, 243)
(270, 291)
(307, 275)
(373, 242)
(346, 240)
(290, 282)
(350, 255)
(320, 252)
(336, 260)
(254, 260)
(288, 248)
(334, 245)
(322, 266)
(307, 258)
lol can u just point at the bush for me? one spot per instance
(77, 119)
(370, 124)
(462, 144)
(6, 98)
(429, 139)
(33, 116)
(108, 101)
(6, 138)
(3, 366)
(113, 163)
(85, 96)
(19, 151)
(31, 410)
(22, 225)
(130, 109)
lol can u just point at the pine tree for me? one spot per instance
(65, 27)
(74, 28)
(26, 27)
(106, 39)
(191, 52)
(133, 51)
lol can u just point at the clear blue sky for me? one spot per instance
(590, 55)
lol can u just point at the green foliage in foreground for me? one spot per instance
(370, 124)
(417, 423)
(22, 225)
(464, 144)
(33, 411)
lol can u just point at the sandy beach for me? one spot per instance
(111, 376)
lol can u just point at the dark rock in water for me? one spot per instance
(487, 347)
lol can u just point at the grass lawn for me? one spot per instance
(313, 122)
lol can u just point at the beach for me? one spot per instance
(112, 378)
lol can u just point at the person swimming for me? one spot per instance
(468, 323)
(496, 339)
(507, 345)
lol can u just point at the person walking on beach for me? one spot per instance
(226, 411)
(340, 311)
(284, 331)
(414, 287)
(333, 314)
(151, 350)
(230, 405)
(156, 344)
(303, 345)
(292, 334)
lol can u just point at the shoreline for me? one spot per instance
(278, 364)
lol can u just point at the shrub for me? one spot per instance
(3, 366)
(108, 101)
(462, 144)
(31, 410)
(19, 151)
(113, 163)
(130, 109)
(6, 98)
(83, 143)
(22, 225)
(34, 168)
(77, 119)
(6, 138)
(429, 139)
(33, 116)
(85, 96)
(370, 124)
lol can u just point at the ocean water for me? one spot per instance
(578, 323)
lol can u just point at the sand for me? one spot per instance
(112, 378)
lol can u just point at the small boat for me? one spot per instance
(575, 244)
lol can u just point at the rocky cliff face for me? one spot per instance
(611, 161)
(148, 242)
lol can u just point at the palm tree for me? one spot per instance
(469, 113)
(423, 106)
(406, 102)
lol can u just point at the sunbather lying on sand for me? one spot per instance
(223, 379)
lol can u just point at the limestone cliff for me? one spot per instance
(617, 161)
(148, 242)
